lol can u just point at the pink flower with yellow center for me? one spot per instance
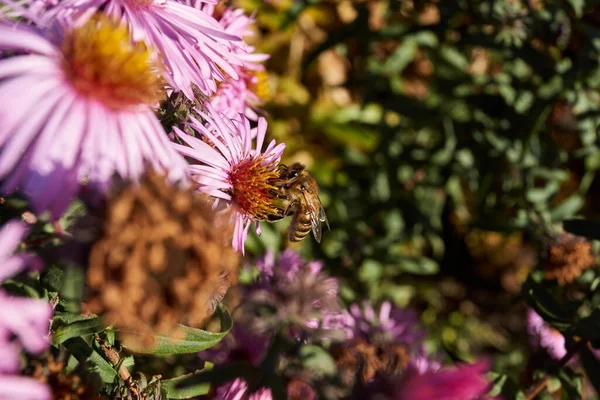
(79, 107)
(245, 94)
(192, 46)
(231, 170)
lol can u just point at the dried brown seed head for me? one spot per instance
(567, 257)
(64, 386)
(364, 360)
(164, 258)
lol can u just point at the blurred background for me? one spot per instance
(449, 139)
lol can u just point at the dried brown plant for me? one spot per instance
(164, 258)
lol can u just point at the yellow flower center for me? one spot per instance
(102, 62)
(253, 191)
(259, 85)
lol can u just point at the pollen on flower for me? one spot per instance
(253, 191)
(259, 85)
(102, 62)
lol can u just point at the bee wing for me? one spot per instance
(322, 216)
(317, 215)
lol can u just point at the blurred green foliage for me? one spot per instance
(450, 140)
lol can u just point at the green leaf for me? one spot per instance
(172, 388)
(505, 387)
(581, 227)
(553, 312)
(95, 362)
(53, 278)
(577, 7)
(66, 318)
(76, 329)
(418, 265)
(567, 208)
(370, 271)
(194, 340)
(572, 384)
(315, 358)
(209, 375)
(71, 291)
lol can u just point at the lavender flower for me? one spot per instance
(389, 325)
(293, 292)
(93, 117)
(230, 170)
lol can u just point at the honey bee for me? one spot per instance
(299, 195)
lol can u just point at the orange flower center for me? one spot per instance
(253, 191)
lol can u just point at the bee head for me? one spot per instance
(294, 170)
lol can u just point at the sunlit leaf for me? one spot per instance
(77, 328)
(194, 340)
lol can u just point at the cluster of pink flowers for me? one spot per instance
(24, 322)
(423, 378)
(82, 82)
(96, 71)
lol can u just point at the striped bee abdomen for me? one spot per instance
(300, 226)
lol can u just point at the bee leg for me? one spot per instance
(278, 194)
(291, 208)
(274, 217)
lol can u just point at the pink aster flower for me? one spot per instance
(23, 321)
(238, 390)
(463, 382)
(231, 167)
(390, 324)
(27, 319)
(245, 94)
(296, 295)
(80, 107)
(13, 385)
(543, 335)
(11, 264)
(423, 364)
(193, 47)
